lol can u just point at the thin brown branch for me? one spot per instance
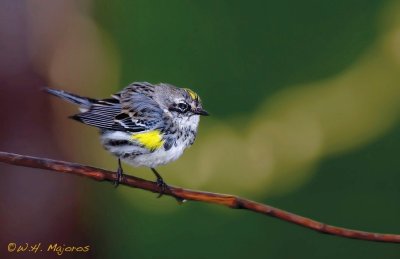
(185, 194)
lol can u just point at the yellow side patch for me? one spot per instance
(151, 140)
(192, 94)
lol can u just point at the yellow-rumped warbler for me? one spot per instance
(144, 124)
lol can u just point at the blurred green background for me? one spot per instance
(305, 102)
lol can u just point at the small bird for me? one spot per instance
(144, 124)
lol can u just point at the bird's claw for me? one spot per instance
(162, 186)
(118, 180)
(119, 176)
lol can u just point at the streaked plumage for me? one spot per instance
(144, 124)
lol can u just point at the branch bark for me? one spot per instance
(231, 201)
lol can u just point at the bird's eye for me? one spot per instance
(183, 107)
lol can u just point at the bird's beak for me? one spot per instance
(201, 111)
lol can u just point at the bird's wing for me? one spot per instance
(128, 110)
(139, 108)
(101, 114)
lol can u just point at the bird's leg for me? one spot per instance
(160, 182)
(163, 186)
(120, 174)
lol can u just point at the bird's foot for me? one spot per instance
(119, 176)
(162, 186)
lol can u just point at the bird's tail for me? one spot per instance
(83, 102)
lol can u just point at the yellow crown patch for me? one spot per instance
(192, 94)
